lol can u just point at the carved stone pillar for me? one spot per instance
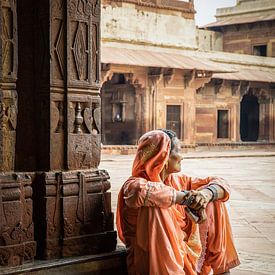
(76, 204)
(16, 225)
(237, 121)
(154, 77)
(140, 114)
(272, 116)
(58, 132)
(8, 75)
(264, 119)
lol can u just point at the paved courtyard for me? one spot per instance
(252, 204)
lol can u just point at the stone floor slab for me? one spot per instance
(251, 207)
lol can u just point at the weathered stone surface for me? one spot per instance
(75, 217)
(58, 129)
(17, 245)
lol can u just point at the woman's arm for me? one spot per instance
(220, 185)
(139, 192)
(205, 195)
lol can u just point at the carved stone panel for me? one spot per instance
(88, 220)
(57, 147)
(9, 40)
(75, 216)
(83, 43)
(84, 124)
(8, 123)
(17, 244)
(58, 45)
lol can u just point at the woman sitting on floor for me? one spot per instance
(166, 228)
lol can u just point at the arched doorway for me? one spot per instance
(249, 124)
(118, 112)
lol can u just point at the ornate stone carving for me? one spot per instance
(8, 124)
(168, 75)
(189, 78)
(84, 137)
(78, 119)
(95, 53)
(83, 37)
(106, 73)
(195, 79)
(58, 82)
(235, 87)
(154, 76)
(16, 228)
(81, 215)
(92, 119)
(80, 51)
(59, 49)
(219, 85)
(9, 38)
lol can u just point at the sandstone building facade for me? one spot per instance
(160, 71)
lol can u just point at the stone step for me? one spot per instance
(99, 264)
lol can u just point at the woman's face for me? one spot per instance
(175, 158)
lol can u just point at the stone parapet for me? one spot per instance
(182, 6)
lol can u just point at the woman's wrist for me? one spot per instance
(207, 194)
(180, 197)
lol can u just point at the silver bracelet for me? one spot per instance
(188, 201)
(214, 192)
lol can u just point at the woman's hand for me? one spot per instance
(200, 198)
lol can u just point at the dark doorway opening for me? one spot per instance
(173, 119)
(119, 122)
(249, 124)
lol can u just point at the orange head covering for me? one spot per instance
(152, 154)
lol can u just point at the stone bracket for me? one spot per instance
(196, 79)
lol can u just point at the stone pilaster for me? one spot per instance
(193, 80)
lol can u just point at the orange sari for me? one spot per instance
(160, 238)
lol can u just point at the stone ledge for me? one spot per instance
(99, 264)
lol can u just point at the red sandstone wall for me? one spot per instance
(241, 38)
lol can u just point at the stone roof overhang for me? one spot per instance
(147, 58)
(244, 74)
